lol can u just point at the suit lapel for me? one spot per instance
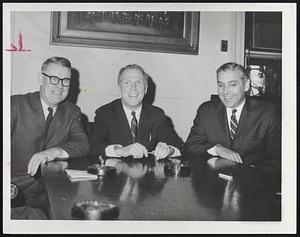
(222, 117)
(122, 123)
(144, 128)
(40, 119)
(243, 118)
(56, 123)
(37, 107)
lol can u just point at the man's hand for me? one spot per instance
(43, 157)
(228, 154)
(162, 150)
(136, 150)
(159, 170)
(135, 171)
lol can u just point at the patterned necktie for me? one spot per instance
(133, 128)
(233, 124)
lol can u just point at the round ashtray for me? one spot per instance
(94, 210)
(101, 170)
(182, 170)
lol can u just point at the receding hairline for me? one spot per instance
(233, 67)
(56, 61)
(133, 67)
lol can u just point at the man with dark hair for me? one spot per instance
(128, 127)
(236, 127)
(44, 127)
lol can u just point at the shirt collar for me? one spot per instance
(45, 108)
(128, 112)
(238, 110)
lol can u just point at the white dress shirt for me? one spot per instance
(45, 109)
(110, 149)
(129, 115)
(238, 112)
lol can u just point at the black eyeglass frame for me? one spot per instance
(59, 79)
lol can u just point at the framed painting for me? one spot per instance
(264, 31)
(170, 32)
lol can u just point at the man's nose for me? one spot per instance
(133, 86)
(226, 90)
(60, 84)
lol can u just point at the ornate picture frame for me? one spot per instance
(168, 32)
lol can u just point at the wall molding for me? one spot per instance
(236, 37)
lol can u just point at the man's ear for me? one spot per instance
(40, 79)
(246, 84)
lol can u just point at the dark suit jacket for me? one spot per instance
(258, 136)
(28, 133)
(111, 127)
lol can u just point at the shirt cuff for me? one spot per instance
(176, 152)
(110, 151)
(65, 154)
(212, 151)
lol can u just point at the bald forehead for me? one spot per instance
(132, 73)
(55, 69)
(132, 70)
(56, 65)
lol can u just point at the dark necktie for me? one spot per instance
(233, 124)
(48, 121)
(133, 128)
(49, 118)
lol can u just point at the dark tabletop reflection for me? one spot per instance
(145, 191)
(139, 179)
(245, 193)
(52, 170)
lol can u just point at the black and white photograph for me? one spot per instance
(149, 118)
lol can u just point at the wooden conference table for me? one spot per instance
(144, 190)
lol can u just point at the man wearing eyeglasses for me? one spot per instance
(44, 127)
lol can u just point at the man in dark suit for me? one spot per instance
(236, 127)
(44, 127)
(128, 127)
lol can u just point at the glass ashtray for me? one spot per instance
(94, 210)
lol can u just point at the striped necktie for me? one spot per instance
(134, 126)
(233, 124)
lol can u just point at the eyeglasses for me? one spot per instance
(55, 80)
